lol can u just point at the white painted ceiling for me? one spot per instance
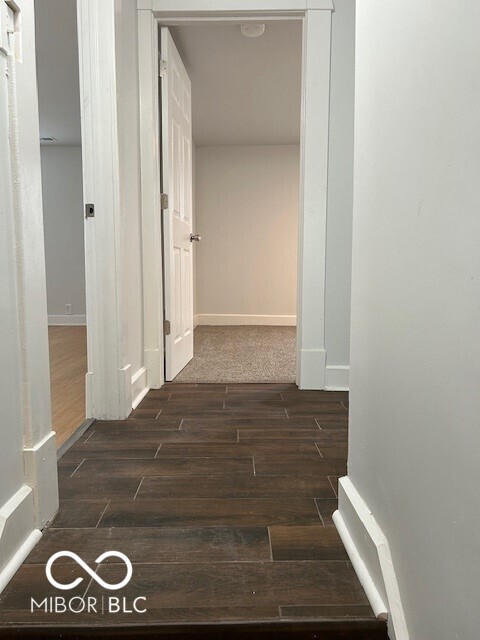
(245, 91)
(57, 70)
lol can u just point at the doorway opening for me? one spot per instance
(62, 189)
(230, 126)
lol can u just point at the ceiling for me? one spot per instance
(57, 70)
(245, 91)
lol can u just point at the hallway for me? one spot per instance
(222, 497)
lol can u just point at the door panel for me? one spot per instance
(177, 218)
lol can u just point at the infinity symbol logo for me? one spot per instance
(78, 560)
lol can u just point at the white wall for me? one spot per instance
(57, 70)
(340, 189)
(63, 225)
(247, 215)
(129, 157)
(415, 358)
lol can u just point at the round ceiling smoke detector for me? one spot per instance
(252, 30)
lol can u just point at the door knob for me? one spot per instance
(194, 237)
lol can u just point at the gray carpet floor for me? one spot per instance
(242, 354)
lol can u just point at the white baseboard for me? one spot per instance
(16, 562)
(16, 528)
(89, 395)
(139, 386)
(67, 320)
(196, 320)
(40, 464)
(154, 365)
(132, 389)
(311, 369)
(370, 555)
(337, 378)
(125, 387)
(229, 319)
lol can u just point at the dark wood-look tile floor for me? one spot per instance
(222, 498)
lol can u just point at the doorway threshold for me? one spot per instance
(73, 437)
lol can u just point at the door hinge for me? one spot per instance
(164, 201)
(162, 68)
(166, 327)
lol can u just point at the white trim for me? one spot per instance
(139, 386)
(316, 18)
(109, 391)
(229, 319)
(16, 526)
(126, 390)
(189, 21)
(39, 457)
(375, 599)
(67, 320)
(337, 377)
(17, 560)
(312, 236)
(369, 552)
(228, 7)
(88, 394)
(40, 461)
(311, 368)
(150, 198)
(31, 482)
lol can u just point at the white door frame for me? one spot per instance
(109, 380)
(34, 499)
(316, 18)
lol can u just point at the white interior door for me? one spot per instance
(177, 217)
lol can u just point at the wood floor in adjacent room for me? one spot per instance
(222, 498)
(68, 366)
